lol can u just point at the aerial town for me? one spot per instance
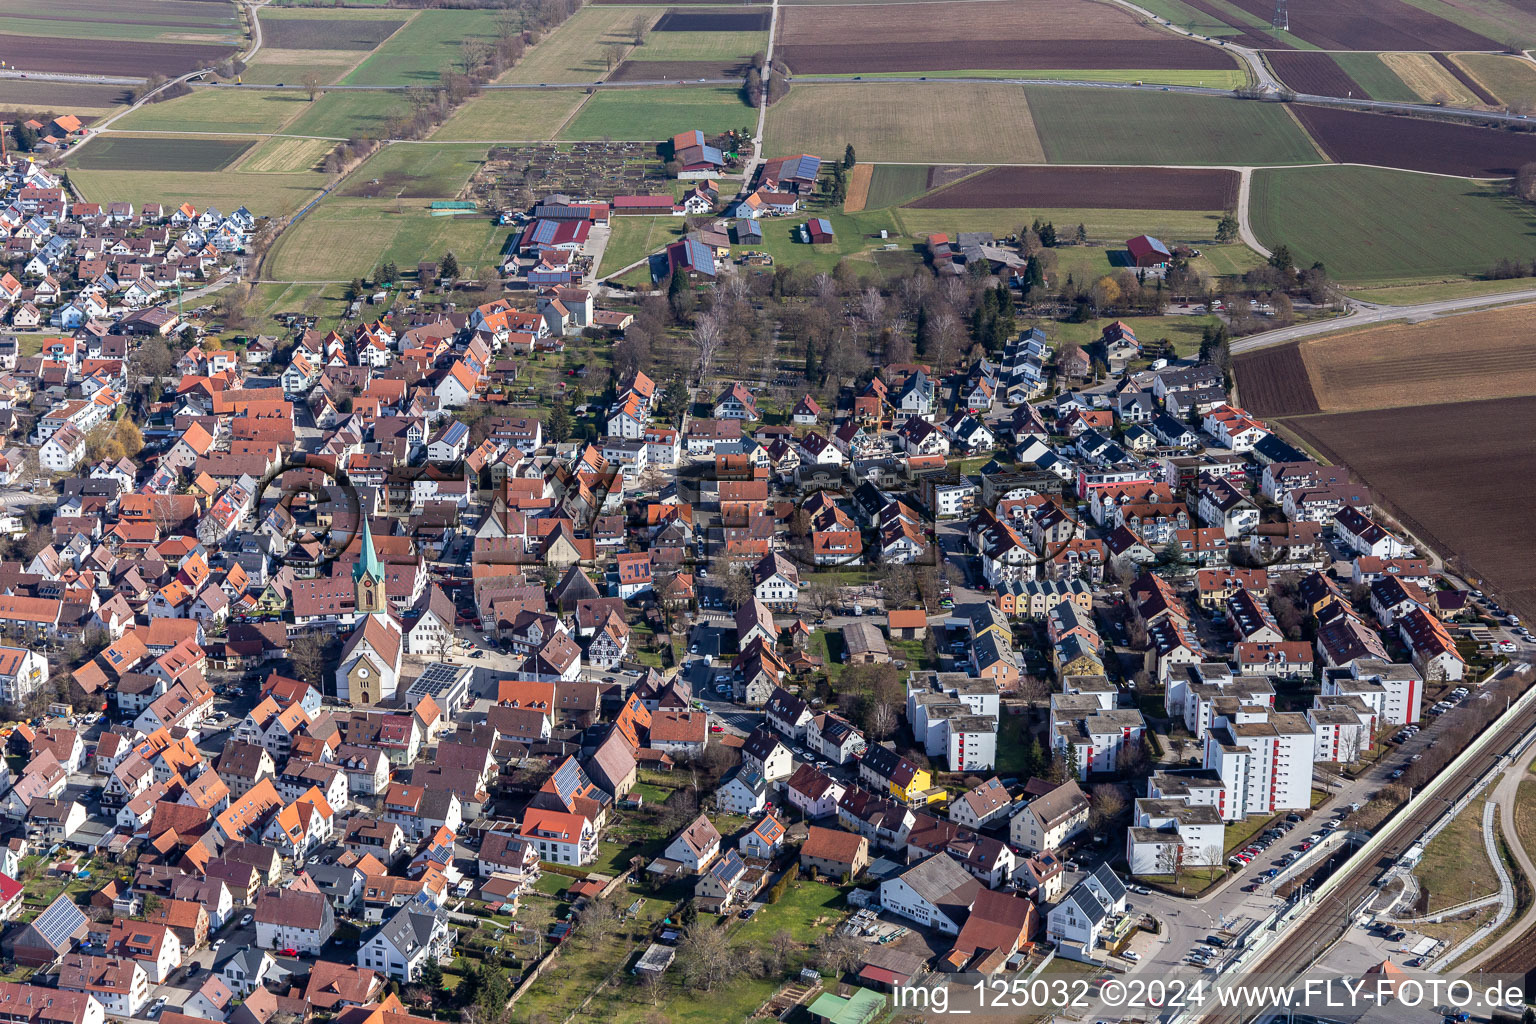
(533, 512)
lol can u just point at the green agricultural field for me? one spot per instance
(1110, 227)
(136, 20)
(1373, 226)
(275, 195)
(345, 238)
(146, 153)
(1212, 79)
(894, 184)
(1375, 77)
(415, 54)
(410, 171)
(504, 115)
(922, 122)
(218, 110)
(1507, 21)
(1096, 126)
(722, 46)
(343, 115)
(634, 238)
(648, 115)
(577, 50)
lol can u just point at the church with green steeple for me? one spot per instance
(368, 577)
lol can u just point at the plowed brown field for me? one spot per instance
(1383, 140)
(1104, 188)
(1372, 25)
(1275, 382)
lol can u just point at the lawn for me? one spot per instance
(418, 52)
(577, 50)
(1012, 744)
(1370, 225)
(1097, 126)
(634, 238)
(345, 238)
(219, 111)
(346, 115)
(511, 115)
(408, 171)
(652, 114)
(266, 195)
(1239, 833)
(701, 46)
(1455, 867)
(1375, 77)
(934, 122)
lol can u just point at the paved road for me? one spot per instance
(1365, 313)
(58, 76)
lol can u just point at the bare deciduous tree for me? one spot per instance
(708, 333)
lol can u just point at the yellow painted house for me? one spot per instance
(885, 770)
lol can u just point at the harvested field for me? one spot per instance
(576, 51)
(1454, 359)
(1373, 25)
(1091, 126)
(326, 33)
(59, 97)
(1511, 79)
(981, 122)
(1001, 55)
(858, 187)
(713, 21)
(109, 56)
(145, 153)
(1110, 188)
(1429, 80)
(285, 156)
(1030, 35)
(1314, 72)
(1458, 477)
(676, 70)
(1459, 73)
(510, 114)
(1415, 144)
(1372, 226)
(1275, 382)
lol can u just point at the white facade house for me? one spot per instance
(402, 946)
(1264, 760)
(936, 893)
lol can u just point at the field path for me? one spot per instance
(762, 110)
(1363, 313)
(1244, 228)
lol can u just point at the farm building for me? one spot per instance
(745, 232)
(691, 258)
(696, 159)
(662, 205)
(818, 231)
(790, 174)
(1147, 251)
(559, 235)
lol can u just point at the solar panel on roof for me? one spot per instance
(807, 167)
(58, 922)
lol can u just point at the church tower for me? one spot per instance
(368, 577)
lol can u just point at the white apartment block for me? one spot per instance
(1264, 760)
(1393, 690)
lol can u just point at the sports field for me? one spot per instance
(406, 170)
(218, 110)
(345, 238)
(653, 114)
(506, 115)
(275, 195)
(1376, 226)
(936, 122)
(419, 51)
(1097, 126)
(345, 115)
(147, 153)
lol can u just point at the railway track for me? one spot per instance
(1312, 936)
